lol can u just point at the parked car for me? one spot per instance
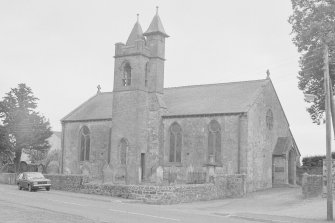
(33, 181)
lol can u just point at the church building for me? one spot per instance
(143, 133)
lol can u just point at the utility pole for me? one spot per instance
(328, 97)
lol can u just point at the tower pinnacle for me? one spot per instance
(156, 26)
(136, 33)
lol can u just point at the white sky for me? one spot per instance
(63, 49)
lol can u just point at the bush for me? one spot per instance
(314, 164)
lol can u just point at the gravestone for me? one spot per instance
(85, 170)
(211, 174)
(108, 175)
(159, 175)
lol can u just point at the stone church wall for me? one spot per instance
(99, 137)
(194, 157)
(130, 123)
(261, 140)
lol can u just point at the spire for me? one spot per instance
(136, 33)
(156, 26)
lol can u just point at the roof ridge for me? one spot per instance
(199, 85)
(225, 83)
(77, 108)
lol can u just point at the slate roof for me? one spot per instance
(234, 97)
(282, 146)
(135, 34)
(156, 26)
(97, 107)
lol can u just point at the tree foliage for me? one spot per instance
(37, 155)
(314, 164)
(6, 148)
(26, 128)
(313, 26)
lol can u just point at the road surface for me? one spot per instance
(59, 206)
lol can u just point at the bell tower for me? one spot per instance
(130, 61)
(156, 42)
(138, 79)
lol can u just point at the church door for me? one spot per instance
(291, 167)
(142, 166)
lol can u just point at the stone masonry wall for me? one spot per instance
(8, 178)
(66, 182)
(261, 140)
(194, 154)
(99, 136)
(311, 185)
(224, 186)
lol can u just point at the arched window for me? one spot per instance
(84, 143)
(123, 147)
(175, 143)
(146, 74)
(126, 78)
(269, 119)
(214, 142)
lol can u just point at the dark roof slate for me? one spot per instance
(282, 146)
(135, 34)
(96, 108)
(156, 26)
(234, 97)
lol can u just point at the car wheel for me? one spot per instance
(20, 188)
(47, 188)
(30, 188)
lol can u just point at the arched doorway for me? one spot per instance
(291, 167)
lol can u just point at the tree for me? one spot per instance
(6, 147)
(54, 155)
(37, 155)
(26, 128)
(313, 26)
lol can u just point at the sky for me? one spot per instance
(63, 49)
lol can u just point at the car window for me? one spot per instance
(20, 176)
(34, 175)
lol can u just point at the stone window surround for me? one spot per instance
(126, 74)
(219, 163)
(212, 129)
(84, 150)
(178, 135)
